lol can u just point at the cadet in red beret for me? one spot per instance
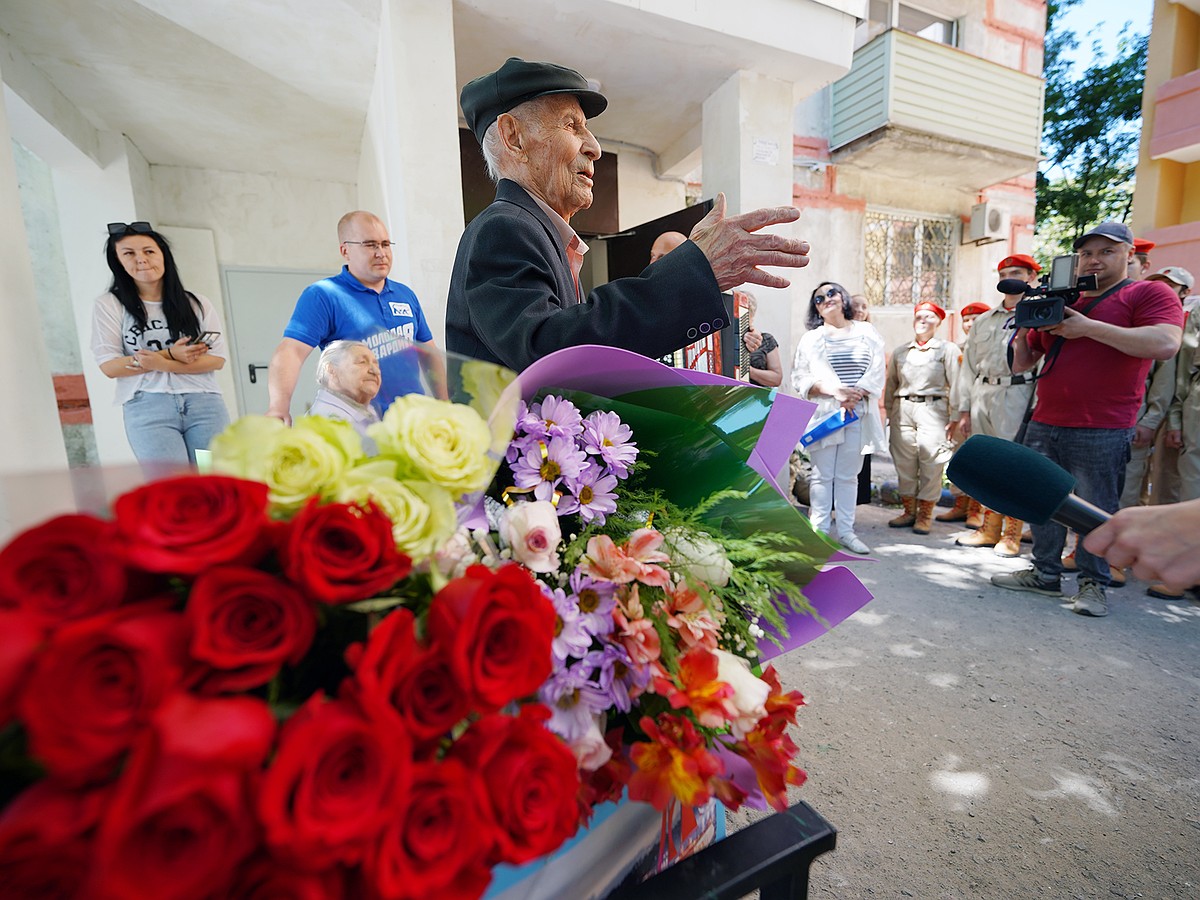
(917, 398)
(1139, 264)
(990, 399)
(964, 507)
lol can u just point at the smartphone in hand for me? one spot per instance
(208, 337)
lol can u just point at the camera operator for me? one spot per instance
(1089, 391)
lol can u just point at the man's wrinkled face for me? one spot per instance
(1107, 260)
(561, 156)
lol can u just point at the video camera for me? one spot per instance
(1046, 303)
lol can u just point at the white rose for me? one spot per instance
(749, 691)
(532, 531)
(590, 749)
(698, 555)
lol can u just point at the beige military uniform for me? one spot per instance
(1184, 413)
(986, 387)
(1160, 387)
(917, 398)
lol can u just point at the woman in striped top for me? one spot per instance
(840, 364)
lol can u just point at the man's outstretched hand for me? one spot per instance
(735, 251)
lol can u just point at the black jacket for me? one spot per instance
(512, 298)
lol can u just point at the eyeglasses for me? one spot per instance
(833, 295)
(373, 246)
(120, 228)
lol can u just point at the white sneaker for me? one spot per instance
(854, 545)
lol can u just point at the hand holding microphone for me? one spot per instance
(1160, 543)
(1018, 482)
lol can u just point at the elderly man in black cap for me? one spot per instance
(1088, 394)
(514, 292)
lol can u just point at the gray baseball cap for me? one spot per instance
(1118, 232)
(1174, 274)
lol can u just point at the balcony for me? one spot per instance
(1176, 132)
(918, 110)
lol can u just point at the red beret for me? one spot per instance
(1141, 245)
(932, 307)
(1021, 261)
(973, 309)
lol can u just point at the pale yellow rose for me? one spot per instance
(750, 692)
(295, 463)
(696, 553)
(531, 530)
(434, 440)
(422, 514)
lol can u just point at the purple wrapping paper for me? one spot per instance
(835, 593)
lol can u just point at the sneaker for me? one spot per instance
(1090, 601)
(852, 543)
(1028, 580)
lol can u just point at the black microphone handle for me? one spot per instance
(1079, 515)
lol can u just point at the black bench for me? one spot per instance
(773, 855)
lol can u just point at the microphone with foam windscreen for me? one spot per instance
(1015, 286)
(1018, 482)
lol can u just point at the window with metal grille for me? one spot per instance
(907, 259)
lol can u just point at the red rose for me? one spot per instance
(436, 844)
(496, 628)
(531, 782)
(333, 784)
(263, 878)
(95, 685)
(46, 840)
(68, 568)
(339, 553)
(396, 676)
(21, 636)
(181, 816)
(245, 625)
(183, 526)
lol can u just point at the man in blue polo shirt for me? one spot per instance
(359, 304)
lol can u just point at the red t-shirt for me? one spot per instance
(1093, 385)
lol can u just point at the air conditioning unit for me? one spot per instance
(989, 224)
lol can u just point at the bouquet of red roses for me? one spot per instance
(193, 705)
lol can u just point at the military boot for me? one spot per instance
(907, 517)
(956, 513)
(974, 514)
(987, 535)
(1009, 544)
(924, 518)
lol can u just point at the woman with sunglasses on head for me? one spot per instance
(839, 365)
(146, 335)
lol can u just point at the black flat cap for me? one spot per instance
(485, 98)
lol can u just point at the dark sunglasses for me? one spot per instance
(121, 229)
(821, 297)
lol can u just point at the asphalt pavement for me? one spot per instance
(970, 741)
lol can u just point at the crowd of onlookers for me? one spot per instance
(1106, 393)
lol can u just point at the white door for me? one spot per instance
(260, 303)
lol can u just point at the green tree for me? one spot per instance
(1089, 135)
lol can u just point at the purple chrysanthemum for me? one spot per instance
(595, 602)
(606, 436)
(571, 637)
(556, 417)
(562, 459)
(591, 494)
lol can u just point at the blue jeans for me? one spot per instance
(1097, 458)
(172, 427)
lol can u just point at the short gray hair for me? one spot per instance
(531, 112)
(332, 357)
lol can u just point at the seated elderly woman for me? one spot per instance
(348, 376)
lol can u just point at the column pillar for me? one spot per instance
(747, 146)
(414, 122)
(28, 409)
